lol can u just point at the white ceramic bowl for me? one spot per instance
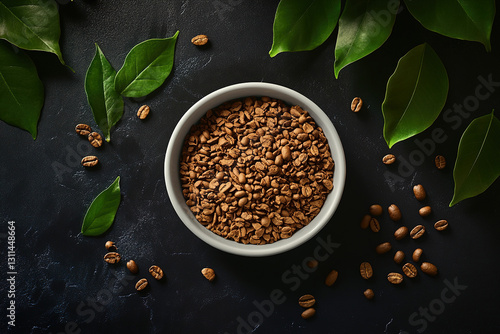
(291, 97)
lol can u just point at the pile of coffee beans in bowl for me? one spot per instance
(255, 170)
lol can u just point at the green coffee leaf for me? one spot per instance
(478, 159)
(21, 91)
(301, 25)
(101, 213)
(146, 67)
(363, 27)
(469, 20)
(105, 102)
(415, 95)
(31, 25)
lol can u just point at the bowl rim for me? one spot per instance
(241, 90)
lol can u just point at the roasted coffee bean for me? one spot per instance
(383, 248)
(429, 268)
(156, 272)
(395, 278)
(366, 270)
(209, 273)
(410, 270)
(112, 257)
(307, 301)
(376, 210)
(365, 222)
(417, 231)
(199, 40)
(394, 212)
(356, 104)
(312, 263)
(440, 162)
(141, 284)
(110, 245)
(95, 139)
(417, 254)
(399, 257)
(374, 225)
(132, 266)
(83, 129)
(419, 192)
(441, 225)
(308, 313)
(389, 159)
(425, 211)
(401, 233)
(369, 294)
(90, 161)
(143, 112)
(331, 278)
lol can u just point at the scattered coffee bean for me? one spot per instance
(365, 222)
(83, 129)
(356, 104)
(132, 266)
(429, 268)
(369, 294)
(440, 162)
(90, 161)
(312, 263)
(366, 270)
(156, 272)
(308, 313)
(199, 40)
(389, 159)
(410, 270)
(417, 254)
(401, 233)
(307, 301)
(394, 212)
(399, 257)
(209, 274)
(110, 245)
(383, 248)
(331, 278)
(417, 232)
(95, 139)
(112, 257)
(419, 192)
(395, 278)
(425, 211)
(141, 284)
(376, 210)
(374, 225)
(441, 225)
(143, 112)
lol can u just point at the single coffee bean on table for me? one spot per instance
(356, 104)
(366, 270)
(90, 161)
(399, 257)
(389, 159)
(429, 268)
(369, 294)
(331, 277)
(441, 225)
(417, 232)
(141, 284)
(374, 225)
(417, 254)
(401, 232)
(156, 272)
(365, 222)
(132, 266)
(199, 40)
(312, 263)
(395, 278)
(394, 212)
(112, 257)
(383, 248)
(425, 211)
(143, 112)
(308, 313)
(208, 273)
(440, 162)
(255, 171)
(83, 129)
(307, 301)
(409, 270)
(110, 245)
(376, 210)
(419, 192)
(95, 139)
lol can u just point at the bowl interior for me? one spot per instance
(213, 100)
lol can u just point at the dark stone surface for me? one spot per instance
(64, 285)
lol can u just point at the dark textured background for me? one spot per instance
(63, 283)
